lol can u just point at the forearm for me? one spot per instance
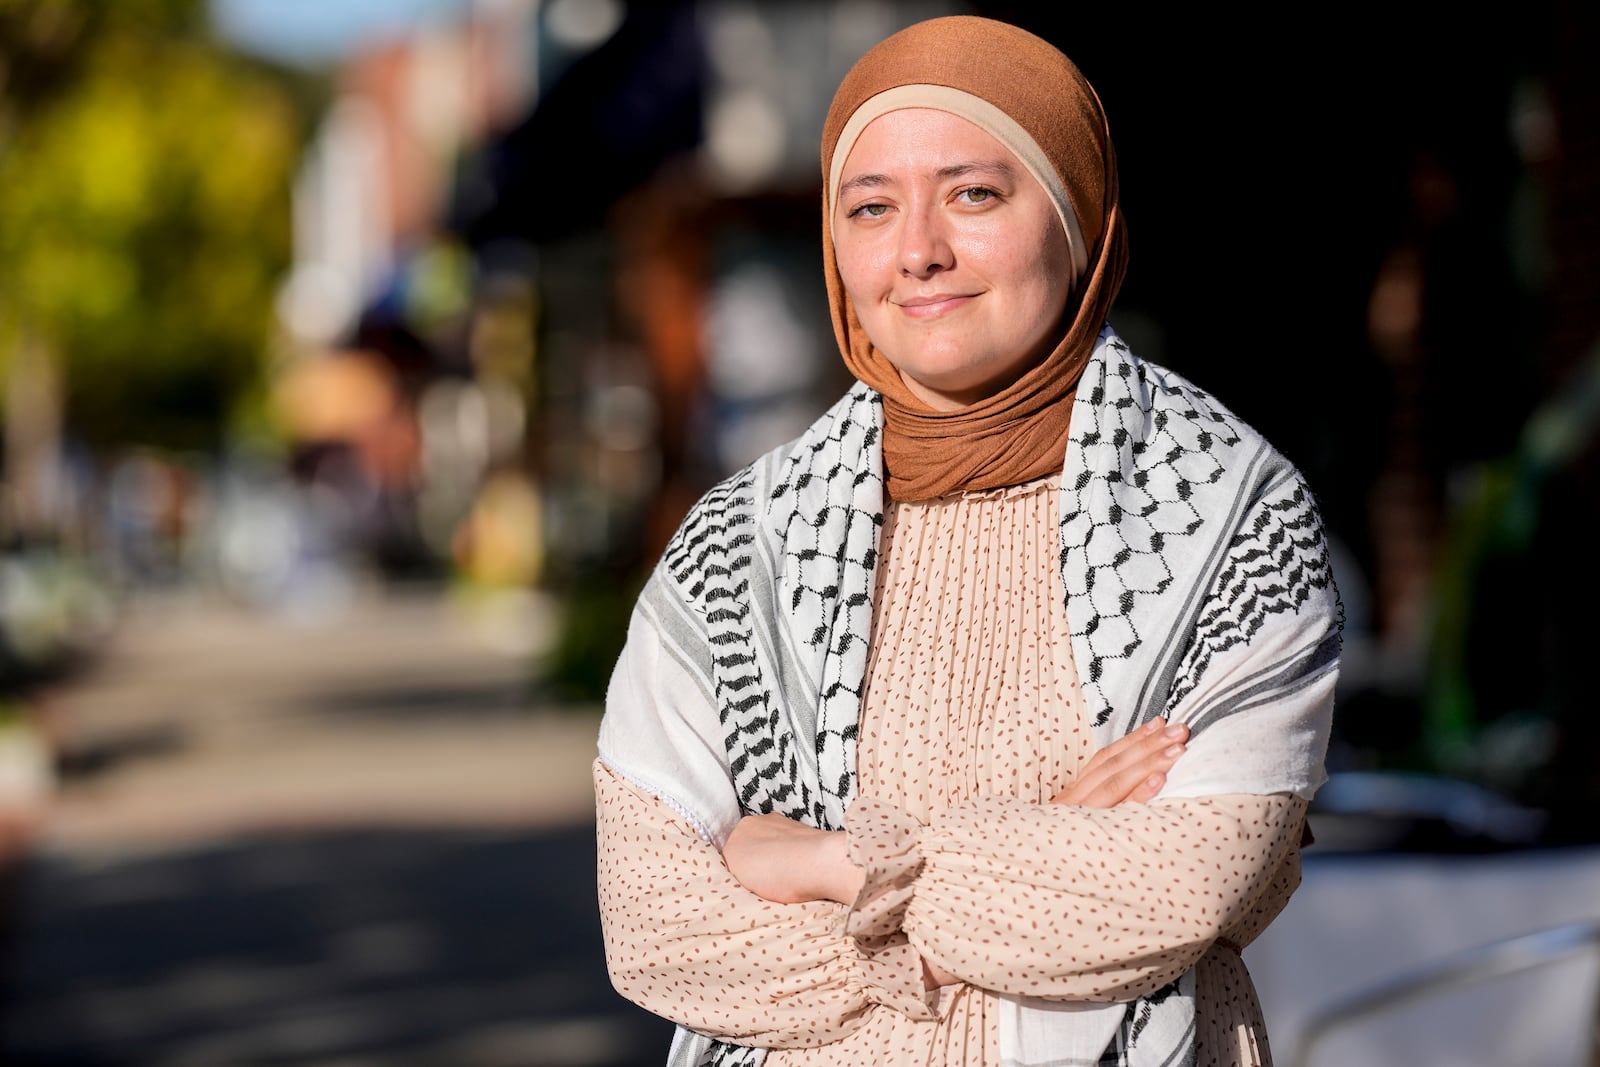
(1067, 902)
(685, 941)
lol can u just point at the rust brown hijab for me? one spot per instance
(1022, 91)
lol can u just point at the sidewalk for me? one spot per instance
(206, 721)
(352, 842)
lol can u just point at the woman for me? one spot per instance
(886, 773)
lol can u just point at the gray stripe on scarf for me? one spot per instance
(1292, 672)
(1181, 637)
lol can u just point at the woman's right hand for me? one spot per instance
(1132, 769)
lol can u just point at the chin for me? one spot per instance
(952, 394)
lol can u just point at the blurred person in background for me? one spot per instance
(977, 725)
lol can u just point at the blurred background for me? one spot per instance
(358, 357)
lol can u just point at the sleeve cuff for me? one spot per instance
(892, 977)
(886, 843)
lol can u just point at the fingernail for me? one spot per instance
(1153, 725)
(1173, 750)
(1154, 781)
(1176, 730)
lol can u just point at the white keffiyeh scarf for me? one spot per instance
(1197, 587)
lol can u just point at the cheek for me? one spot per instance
(1013, 267)
(1040, 271)
(1010, 252)
(861, 272)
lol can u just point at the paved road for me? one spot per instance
(352, 841)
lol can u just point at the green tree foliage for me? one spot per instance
(144, 212)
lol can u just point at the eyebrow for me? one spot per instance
(998, 167)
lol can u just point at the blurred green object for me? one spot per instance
(144, 213)
(594, 626)
(1501, 521)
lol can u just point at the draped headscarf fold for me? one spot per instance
(1025, 93)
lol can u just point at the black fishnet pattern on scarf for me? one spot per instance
(709, 558)
(831, 550)
(1163, 452)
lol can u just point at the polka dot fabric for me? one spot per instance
(685, 940)
(972, 720)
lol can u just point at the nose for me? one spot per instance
(925, 247)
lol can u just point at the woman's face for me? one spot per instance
(951, 253)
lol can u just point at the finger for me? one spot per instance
(1121, 748)
(1148, 789)
(1128, 780)
(1135, 783)
(1121, 787)
(1140, 749)
(1151, 737)
(1143, 748)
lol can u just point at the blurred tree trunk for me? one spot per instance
(33, 455)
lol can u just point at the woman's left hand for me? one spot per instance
(1131, 769)
(788, 862)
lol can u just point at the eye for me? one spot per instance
(977, 194)
(870, 210)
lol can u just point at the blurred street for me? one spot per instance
(343, 841)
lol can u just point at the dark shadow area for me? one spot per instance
(393, 948)
(89, 759)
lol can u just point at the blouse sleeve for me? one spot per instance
(1074, 903)
(685, 941)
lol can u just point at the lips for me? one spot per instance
(933, 305)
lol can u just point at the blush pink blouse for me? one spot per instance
(972, 720)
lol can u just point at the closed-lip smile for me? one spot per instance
(931, 304)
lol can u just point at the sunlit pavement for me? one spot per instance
(346, 839)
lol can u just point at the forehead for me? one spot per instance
(905, 143)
